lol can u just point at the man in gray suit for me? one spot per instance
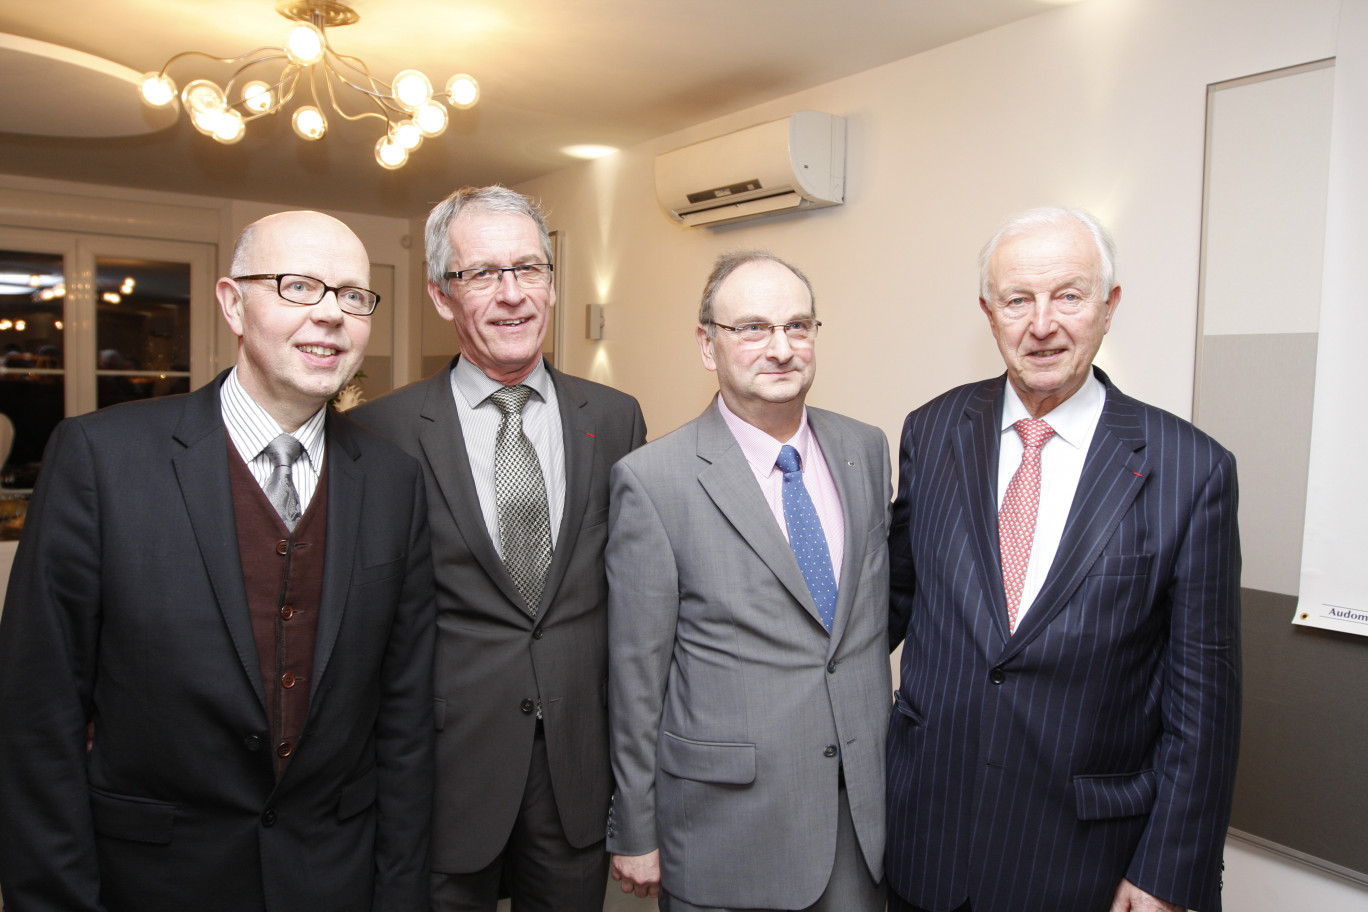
(747, 571)
(516, 457)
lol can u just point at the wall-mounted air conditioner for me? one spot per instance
(794, 163)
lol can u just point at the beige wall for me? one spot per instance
(1099, 105)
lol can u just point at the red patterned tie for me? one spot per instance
(1017, 518)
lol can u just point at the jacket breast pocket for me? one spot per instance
(729, 763)
(134, 819)
(1121, 565)
(381, 570)
(1114, 795)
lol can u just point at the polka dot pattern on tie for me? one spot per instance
(806, 536)
(1017, 518)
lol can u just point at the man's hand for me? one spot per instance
(639, 874)
(1130, 898)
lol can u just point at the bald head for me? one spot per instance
(293, 358)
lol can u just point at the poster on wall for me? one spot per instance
(1334, 575)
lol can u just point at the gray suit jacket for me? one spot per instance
(494, 660)
(732, 708)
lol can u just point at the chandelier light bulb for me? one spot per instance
(431, 119)
(204, 121)
(309, 122)
(257, 97)
(158, 90)
(228, 126)
(390, 154)
(203, 97)
(305, 44)
(407, 135)
(412, 90)
(462, 91)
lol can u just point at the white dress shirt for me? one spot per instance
(1061, 465)
(251, 427)
(480, 419)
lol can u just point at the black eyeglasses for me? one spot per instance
(759, 333)
(302, 289)
(482, 278)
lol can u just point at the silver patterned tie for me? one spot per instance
(520, 496)
(279, 488)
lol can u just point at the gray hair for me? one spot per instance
(1051, 217)
(728, 263)
(491, 199)
(242, 251)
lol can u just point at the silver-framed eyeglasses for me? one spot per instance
(482, 278)
(302, 289)
(759, 333)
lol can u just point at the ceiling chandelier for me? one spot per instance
(308, 62)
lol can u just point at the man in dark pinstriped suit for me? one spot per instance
(1082, 757)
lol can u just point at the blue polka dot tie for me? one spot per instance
(806, 536)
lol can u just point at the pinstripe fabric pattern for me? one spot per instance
(1033, 772)
(250, 428)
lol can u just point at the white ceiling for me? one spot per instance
(552, 73)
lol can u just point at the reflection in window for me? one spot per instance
(32, 380)
(142, 329)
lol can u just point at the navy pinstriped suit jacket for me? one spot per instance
(1033, 772)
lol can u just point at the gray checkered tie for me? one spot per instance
(279, 488)
(520, 495)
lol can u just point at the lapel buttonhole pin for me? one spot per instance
(1137, 475)
(587, 434)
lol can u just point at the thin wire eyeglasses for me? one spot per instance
(760, 333)
(302, 289)
(482, 278)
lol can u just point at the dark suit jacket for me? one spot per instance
(1035, 771)
(494, 660)
(126, 606)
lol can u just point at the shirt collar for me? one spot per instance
(476, 386)
(760, 449)
(1072, 420)
(252, 427)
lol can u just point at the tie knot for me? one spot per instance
(1034, 432)
(284, 450)
(511, 399)
(788, 460)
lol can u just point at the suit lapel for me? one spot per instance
(1113, 475)
(346, 494)
(976, 440)
(729, 481)
(202, 473)
(445, 450)
(850, 472)
(577, 432)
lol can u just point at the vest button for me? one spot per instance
(286, 612)
(527, 706)
(830, 751)
(997, 675)
(282, 546)
(284, 749)
(287, 680)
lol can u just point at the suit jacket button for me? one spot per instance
(268, 817)
(830, 751)
(997, 675)
(537, 634)
(252, 742)
(831, 668)
(527, 706)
